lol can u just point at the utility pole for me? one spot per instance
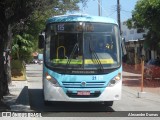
(99, 8)
(118, 16)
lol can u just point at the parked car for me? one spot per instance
(34, 61)
(152, 69)
(40, 61)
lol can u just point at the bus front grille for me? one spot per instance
(81, 84)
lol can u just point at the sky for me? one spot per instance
(109, 8)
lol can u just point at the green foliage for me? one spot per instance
(129, 23)
(18, 70)
(17, 64)
(29, 17)
(36, 22)
(146, 16)
(22, 47)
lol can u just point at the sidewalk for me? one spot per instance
(133, 81)
(18, 100)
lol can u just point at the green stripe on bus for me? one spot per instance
(79, 61)
(64, 61)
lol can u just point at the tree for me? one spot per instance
(22, 47)
(146, 16)
(16, 14)
(36, 23)
(12, 12)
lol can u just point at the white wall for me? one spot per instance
(131, 34)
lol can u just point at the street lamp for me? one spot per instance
(99, 7)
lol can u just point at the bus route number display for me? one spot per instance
(60, 27)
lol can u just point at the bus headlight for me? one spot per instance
(52, 80)
(116, 79)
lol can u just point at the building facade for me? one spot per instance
(135, 45)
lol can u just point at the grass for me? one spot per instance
(18, 70)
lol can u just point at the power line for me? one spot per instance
(126, 11)
(101, 8)
(112, 13)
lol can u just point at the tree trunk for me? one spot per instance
(1, 66)
(8, 47)
(5, 76)
(7, 68)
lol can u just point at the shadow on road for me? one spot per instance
(23, 97)
(37, 104)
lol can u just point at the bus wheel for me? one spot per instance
(46, 103)
(108, 103)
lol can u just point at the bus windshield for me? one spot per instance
(82, 46)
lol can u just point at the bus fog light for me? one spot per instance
(112, 81)
(116, 96)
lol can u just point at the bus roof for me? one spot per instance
(82, 18)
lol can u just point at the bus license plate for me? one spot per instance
(83, 93)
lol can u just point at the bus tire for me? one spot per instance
(108, 103)
(46, 103)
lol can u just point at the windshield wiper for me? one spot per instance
(96, 60)
(71, 55)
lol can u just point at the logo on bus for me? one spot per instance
(83, 83)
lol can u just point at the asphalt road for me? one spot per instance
(129, 102)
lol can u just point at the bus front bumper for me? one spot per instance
(52, 93)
